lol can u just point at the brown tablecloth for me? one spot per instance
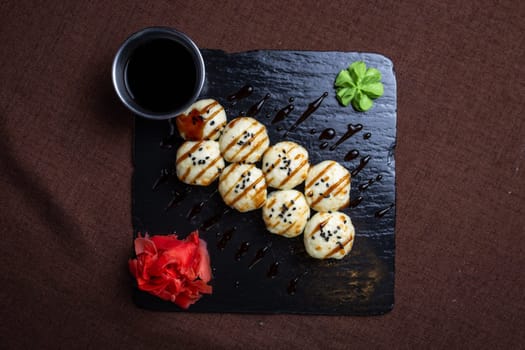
(65, 151)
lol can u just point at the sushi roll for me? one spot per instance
(244, 139)
(329, 235)
(203, 120)
(285, 165)
(243, 187)
(285, 213)
(327, 186)
(199, 162)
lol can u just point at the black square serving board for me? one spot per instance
(253, 270)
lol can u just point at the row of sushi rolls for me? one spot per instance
(230, 151)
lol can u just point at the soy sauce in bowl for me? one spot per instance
(158, 72)
(160, 75)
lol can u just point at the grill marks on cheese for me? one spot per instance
(329, 235)
(243, 187)
(199, 162)
(286, 212)
(204, 120)
(285, 165)
(328, 186)
(244, 140)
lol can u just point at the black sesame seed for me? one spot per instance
(200, 149)
(212, 122)
(327, 185)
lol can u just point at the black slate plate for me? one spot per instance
(360, 284)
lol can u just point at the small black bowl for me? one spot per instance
(135, 41)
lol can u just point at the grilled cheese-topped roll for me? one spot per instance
(285, 213)
(285, 165)
(329, 235)
(243, 187)
(327, 186)
(203, 120)
(199, 162)
(244, 139)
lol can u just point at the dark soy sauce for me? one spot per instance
(352, 129)
(256, 108)
(367, 184)
(160, 75)
(245, 246)
(355, 202)
(195, 210)
(226, 237)
(292, 285)
(382, 212)
(327, 134)
(364, 161)
(353, 154)
(209, 223)
(312, 107)
(259, 255)
(283, 113)
(243, 92)
(273, 270)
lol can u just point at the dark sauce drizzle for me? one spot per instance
(382, 212)
(273, 270)
(367, 184)
(353, 154)
(260, 255)
(283, 113)
(225, 238)
(355, 202)
(243, 249)
(312, 107)
(195, 210)
(292, 285)
(327, 134)
(214, 220)
(244, 92)
(364, 161)
(351, 131)
(256, 108)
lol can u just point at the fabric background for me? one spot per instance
(65, 160)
